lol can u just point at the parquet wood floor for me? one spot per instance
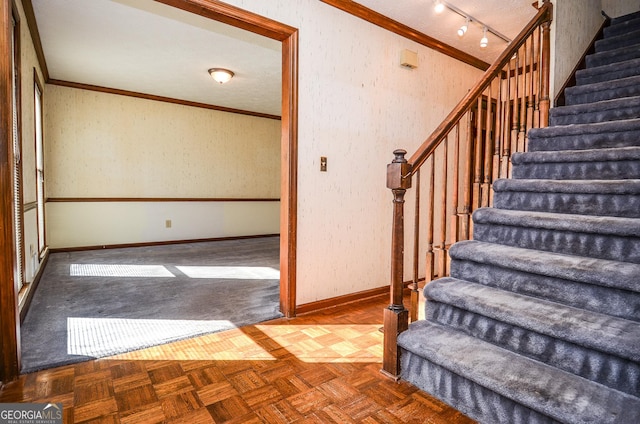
(322, 367)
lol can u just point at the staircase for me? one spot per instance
(539, 320)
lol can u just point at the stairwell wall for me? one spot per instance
(615, 8)
(356, 105)
(102, 145)
(575, 23)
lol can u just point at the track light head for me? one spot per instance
(484, 41)
(463, 29)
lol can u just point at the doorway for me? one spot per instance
(230, 15)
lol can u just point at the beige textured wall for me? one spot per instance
(574, 25)
(95, 223)
(615, 8)
(105, 145)
(357, 104)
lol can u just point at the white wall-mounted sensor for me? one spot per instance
(409, 59)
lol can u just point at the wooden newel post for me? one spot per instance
(396, 317)
(545, 102)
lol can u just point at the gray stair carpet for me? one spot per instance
(590, 113)
(614, 42)
(585, 197)
(606, 90)
(608, 72)
(539, 320)
(613, 134)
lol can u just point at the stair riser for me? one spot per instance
(612, 43)
(622, 205)
(578, 171)
(611, 247)
(622, 27)
(606, 300)
(595, 116)
(612, 56)
(598, 96)
(548, 391)
(608, 73)
(470, 398)
(542, 143)
(625, 18)
(586, 77)
(596, 273)
(609, 370)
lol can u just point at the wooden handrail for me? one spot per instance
(417, 159)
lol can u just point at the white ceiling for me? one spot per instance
(507, 17)
(148, 47)
(151, 48)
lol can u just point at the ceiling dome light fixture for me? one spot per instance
(439, 7)
(463, 29)
(221, 75)
(484, 40)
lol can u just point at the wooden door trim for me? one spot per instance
(9, 317)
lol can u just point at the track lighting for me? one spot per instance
(441, 5)
(463, 29)
(484, 40)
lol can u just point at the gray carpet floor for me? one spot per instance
(92, 304)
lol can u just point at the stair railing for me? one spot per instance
(470, 149)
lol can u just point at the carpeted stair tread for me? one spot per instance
(568, 186)
(624, 18)
(613, 71)
(472, 399)
(551, 278)
(625, 133)
(611, 238)
(557, 394)
(583, 129)
(605, 90)
(589, 164)
(586, 113)
(603, 86)
(622, 26)
(601, 272)
(587, 197)
(602, 225)
(612, 56)
(601, 367)
(617, 41)
(601, 332)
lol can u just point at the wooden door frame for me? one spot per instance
(212, 9)
(9, 317)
